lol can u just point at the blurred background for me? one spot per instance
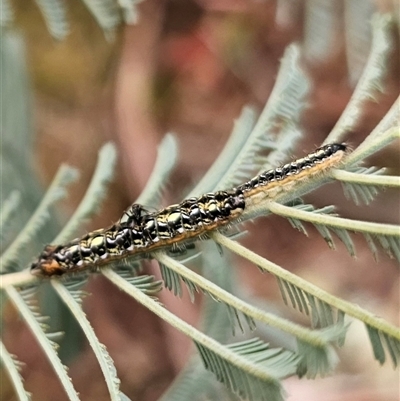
(188, 67)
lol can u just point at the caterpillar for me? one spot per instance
(140, 232)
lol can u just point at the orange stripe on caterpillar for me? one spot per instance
(270, 182)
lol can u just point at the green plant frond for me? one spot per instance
(16, 125)
(194, 380)
(167, 154)
(8, 210)
(283, 145)
(357, 14)
(371, 79)
(323, 229)
(389, 121)
(360, 193)
(314, 294)
(21, 279)
(6, 13)
(256, 350)
(371, 176)
(12, 367)
(389, 244)
(239, 309)
(240, 372)
(28, 310)
(172, 282)
(235, 319)
(388, 235)
(94, 195)
(216, 267)
(106, 14)
(321, 22)
(15, 252)
(54, 14)
(298, 225)
(377, 140)
(242, 128)
(197, 384)
(381, 341)
(72, 297)
(282, 363)
(319, 361)
(147, 284)
(322, 361)
(129, 10)
(283, 110)
(216, 322)
(322, 314)
(363, 184)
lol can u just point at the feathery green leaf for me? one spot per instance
(371, 80)
(55, 17)
(6, 13)
(362, 184)
(129, 10)
(357, 16)
(72, 296)
(147, 284)
(239, 136)
(279, 119)
(366, 176)
(27, 307)
(238, 308)
(8, 209)
(388, 235)
(11, 367)
(167, 154)
(15, 252)
(106, 14)
(253, 379)
(321, 302)
(282, 363)
(321, 22)
(194, 381)
(94, 194)
(381, 340)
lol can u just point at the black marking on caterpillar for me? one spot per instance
(316, 162)
(140, 232)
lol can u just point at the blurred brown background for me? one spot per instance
(189, 67)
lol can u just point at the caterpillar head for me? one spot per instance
(47, 264)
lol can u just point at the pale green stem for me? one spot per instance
(371, 146)
(11, 370)
(94, 194)
(350, 309)
(389, 121)
(8, 209)
(366, 179)
(189, 330)
(18, 279)
(167, 154)
(370, 80)
(333, 221)
(64, 176)
(44, 342)
(299, 332)
(111, 380)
